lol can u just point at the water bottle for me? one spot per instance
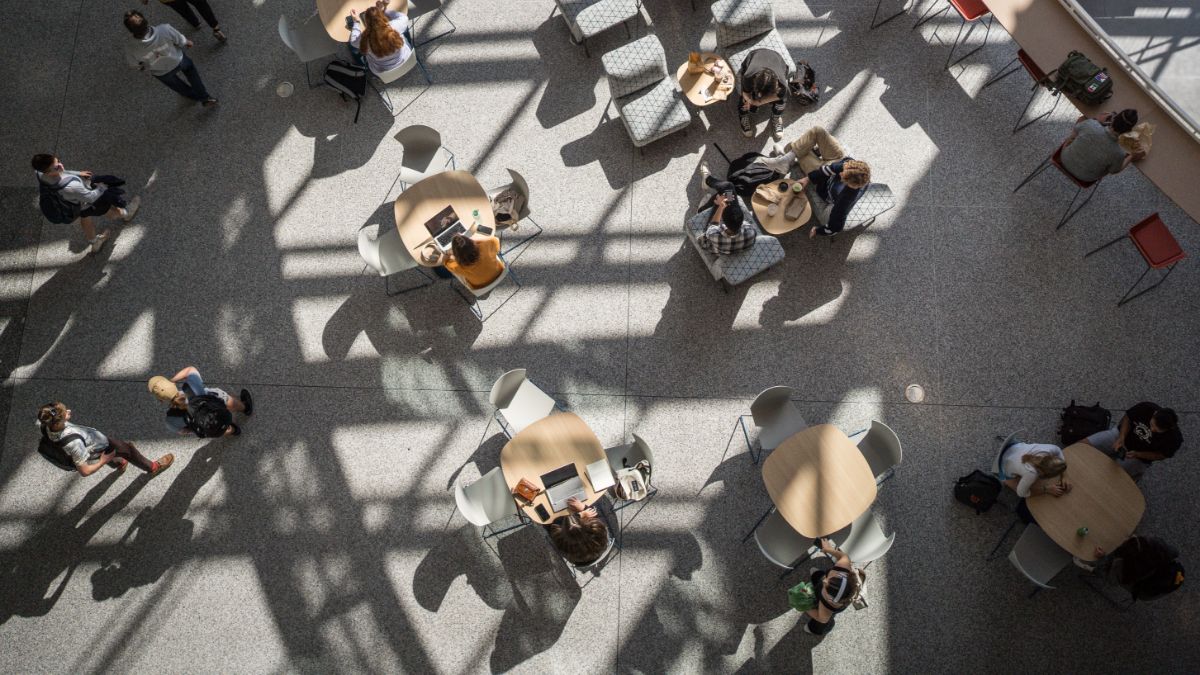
(475, 218)
(1082, 531)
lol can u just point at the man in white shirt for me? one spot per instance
(159, 49)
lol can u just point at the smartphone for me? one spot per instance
(484, 229)
(541, 511)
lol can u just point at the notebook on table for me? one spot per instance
(601, 475)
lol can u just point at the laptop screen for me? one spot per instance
(562, 473)
(441, 222)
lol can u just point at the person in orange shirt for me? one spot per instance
(475, 261)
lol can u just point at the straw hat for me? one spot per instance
(162, 388)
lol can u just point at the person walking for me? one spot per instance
(159, 49)
(83, 194)
(90, 449)
(184, 9)
(195, 408)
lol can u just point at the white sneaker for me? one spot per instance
(98, 242)
(703, 171)
(778, 149)
(131, 209)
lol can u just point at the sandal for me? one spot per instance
(219, 35)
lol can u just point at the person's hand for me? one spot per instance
(381, 4)
(354, 14)
(827, 545)
(86, 174)
(1055, 489)
(812, 234)
(575, 505)
(721, 200)
(1099, 552)
(1138, 156)
(189, 44)
(106, 457)
(803, 182)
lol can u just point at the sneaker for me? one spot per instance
(778, 149)
(747, 127)
(98, 242)
(777, 127)
(209, 102)
(704, 172)
(131, 209)
(247, 401)
(237, 431)
(162, 464)
(219, 35)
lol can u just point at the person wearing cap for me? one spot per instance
(187, 384)
(92, 449)
(836, 589)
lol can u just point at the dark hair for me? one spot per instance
(52, 415)
(581, 540)
(764, 83)
(1124, 121)
(733, 217)
(136, 23)
(43, 162)
(465, 251)
(1166, 418)
(853, 585)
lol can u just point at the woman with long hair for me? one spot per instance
(378, 35)
(476, 261)
(581, 535)
(1034, 469)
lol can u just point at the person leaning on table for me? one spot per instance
(377, 38)
(581, 535)
(1029, 469)
(1092, 151)
(1147, 433)
(474, 260)
(836, 589)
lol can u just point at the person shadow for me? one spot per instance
(159, 537)
(28, 572)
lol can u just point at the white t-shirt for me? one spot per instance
(83, 451)
(1013, 467)
(382, 64)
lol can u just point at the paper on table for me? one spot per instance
(600, 475)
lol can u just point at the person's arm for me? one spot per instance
(77, 192)
(190, 370)
(721, 202)
(1120, 442)
(1146, 456)
(356, 30)
(1025, 484)
(176, 37)
(89, 469)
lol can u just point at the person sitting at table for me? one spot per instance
(580, 536)
(377, 38)
(1092, 150)
(1147, 433)
(1029, 469)
(475, 260)
(839, 179)
(1145, 566)
(836, 589)
(762, 81)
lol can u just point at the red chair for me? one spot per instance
(1056, 160)
(1158, 248)
(1023, 59)
(968, 11)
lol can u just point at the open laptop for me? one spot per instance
(443, 226)
(561, 484)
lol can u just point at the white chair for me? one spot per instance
(463, 288)
(519, 184)
(387, 255)
(309, 43)
(865, 542)
(995, 469)
(1037, 557)
(389, 76)
(776, 417)
(424, 154)
(881, 448)
(487, 501)
(781, 544)
(519, 402)
(627, 456)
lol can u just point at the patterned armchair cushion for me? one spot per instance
(734, 269)
(586, 18)
(736, 54)
(653, 112)
(739, 20)
(635, 66)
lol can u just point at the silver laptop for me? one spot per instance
(562, 484)
(443, 226)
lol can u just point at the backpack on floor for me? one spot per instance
(803, 85)
(1080, 79)
(349, 81)
(56, 209)
(1081, 421)
(746, 174)
(1161, 581)
(54, 451)
(977, 490)
(209, 416)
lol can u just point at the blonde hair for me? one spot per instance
(1048, 466)
(856, 174)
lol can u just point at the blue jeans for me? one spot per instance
(192, 87)
(1104, 440)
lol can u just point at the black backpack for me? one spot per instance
(1080, 79)
(746, 174)
(56, 209)
(1162, 581)
(1081, 421)
(53, 450)
(803, 85)
(207, 416)
(349, 81)
(977, 490)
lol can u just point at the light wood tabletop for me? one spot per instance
(426, 198)
(334, 12)
(560, 439)
(1047, 31)
(695, 84)
(779, 223)
(1103, 498)
(819, 480)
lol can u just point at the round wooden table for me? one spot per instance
(695, 84)
(779, 223)
(1103, 498)
(334, 12)
(819, 480)
(426, 198)
(551, 442)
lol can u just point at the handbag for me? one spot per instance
(633, 483)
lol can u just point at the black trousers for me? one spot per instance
(184, 7)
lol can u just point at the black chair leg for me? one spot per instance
(1069, 214)
(1040, 168)
(760, 522)
(927, 17)
(992, 554)
(986, 31)
(1158, 283)
(874, 17)
(1007, 70)
(1101, 248)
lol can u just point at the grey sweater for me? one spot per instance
(160, 51)
(73, 187)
